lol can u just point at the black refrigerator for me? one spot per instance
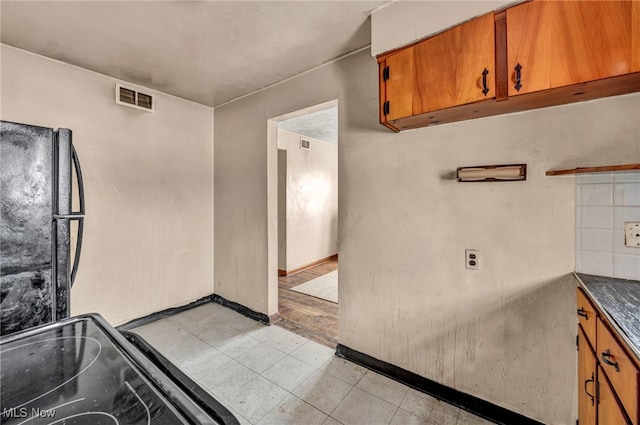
(36, 268)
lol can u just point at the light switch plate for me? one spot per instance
(632, 234)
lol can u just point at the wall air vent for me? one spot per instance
(127, 96)
(305, 144)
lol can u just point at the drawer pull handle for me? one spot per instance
(587, 392)
(605, 358)
(518, 70)
(485, 89)
(583, 313)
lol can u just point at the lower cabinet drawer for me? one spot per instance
(620, 370)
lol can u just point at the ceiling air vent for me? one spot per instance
(134, 99)
(305, 144)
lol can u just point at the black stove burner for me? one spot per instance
(81, 371)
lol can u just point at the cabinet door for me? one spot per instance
(450, 66)
(398, 80)
(635, 38)
(609, 411)
(559, 43)
(620, 369)
(586, 381)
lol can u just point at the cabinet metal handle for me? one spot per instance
(518, 68)
(593, 401)
(605, 358)
(583, 313)
(485, 90)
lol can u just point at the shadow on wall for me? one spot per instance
(360, 113)
(466, 348)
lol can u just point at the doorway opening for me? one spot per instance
(303, 207)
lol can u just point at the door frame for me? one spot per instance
(272, 200)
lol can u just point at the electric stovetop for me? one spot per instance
(82, 371)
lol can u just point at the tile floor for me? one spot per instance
(268, 375)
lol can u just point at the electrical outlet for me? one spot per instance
(632, 234)
(471, 259)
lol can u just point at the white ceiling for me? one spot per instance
(209, 52)
(321, 125)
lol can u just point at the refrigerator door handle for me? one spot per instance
(72, 216)
(79, 215)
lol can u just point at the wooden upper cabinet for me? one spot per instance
(397, 73)
(452, 66)
(552, 52)
(635, 36)
(553, 44)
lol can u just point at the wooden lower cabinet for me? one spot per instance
(619, 368)
(608, 372)
(609, 411)
(587, 317)
(586, 381)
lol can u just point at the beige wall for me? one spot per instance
(505, 333)
(311, 200)
(148, 241)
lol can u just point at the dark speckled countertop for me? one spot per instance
(620, 299)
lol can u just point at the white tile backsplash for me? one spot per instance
(604, 202)
(626, 266)
(622, 215)
(596, 240)
(626, 194)
(627, 176)
(598, 263)
(620, 248)
(596, 217)
(595, 194)
(594, 178)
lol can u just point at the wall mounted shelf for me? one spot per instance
(602, 169)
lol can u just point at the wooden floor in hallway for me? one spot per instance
(305, 315)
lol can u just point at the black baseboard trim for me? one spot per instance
(214, 298)
(471, 404)
(245, 311)
(164, 314)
